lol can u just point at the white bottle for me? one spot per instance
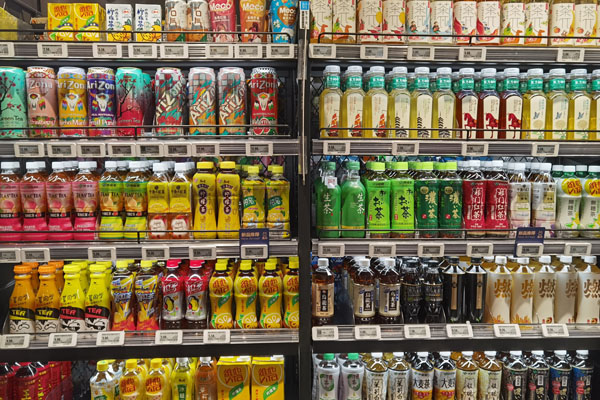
(521, 307)
(566, 291)
(328, 374)
(352, 374)
(590, 203)
(544, 286)
(498, 293)
(588, 292)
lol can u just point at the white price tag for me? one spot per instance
(102, 253)
(303, 20)
(336, 148)
(545, 149)
(555, 330)
(322, 50)
(203, 252)
(417, 332)
(149, 149)
(259, 149)
(578, 249)
(7, 49)
(474, 149)
(29, 149)
(121, 149)
(405, 148)
(324, 333)
(217, 336)
(382, 250)
(62, 150)
(530, 249)
(243, 50)
(474, 54)
(52, 50)
(174, 50)
(480, 249)
(459, 331)
(420, 53)
(220, 51)
(15, 341)
(107, 50)
(570, 55)
(373, 52)
(155, 252)
(205, 149)
(178, 149)
(367, 332)
(142, 50)
(35, 255)
(430, 249)
(254, 251)
(112, 338)
(168, 337)
(67, 339)
(10, 256)
(280, 50)
(331, 250)
(92, 150)
(507, 330)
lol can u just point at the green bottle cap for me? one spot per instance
(330, 166)
(353, 356)
(451, 166)
(353, 165)
(401, 166)
(378, 166)
(426, 166)
(328, 356)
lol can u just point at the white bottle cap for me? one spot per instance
(535, 71)
(180, 167)
(589, 260)
(560, 353)
(323, 262)
(467, 353)
(422, 70)
(399, 70)
(579, 72)
(445, 353)
(41, 164)
(444, 71)
(87, 165)
(377, 69)
(497, 164)
(364, 263)
(565, 259)
(518, 353)
(423, 354)
(136, 165)
(475, 164)
(355, 69)
(398, 354)
(377, 355)
(500, 259)
(519, 167)
(389, 262)
(558, 72)
(545, 167)
(582, 168)
(122, 164)
(535, 166)
(523, 260)
(110, 164)
(513, 72)
(594, 168)
(332, 69)
(465, 71)
(569, 168)
(490, 353)
(57, 165)
(557, 167)
(538, 352)
(9, 165)
(160, 167)
(205, 359)
(31, 165)
(582, 352)
(488, 72)
(545, 259)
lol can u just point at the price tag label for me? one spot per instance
(420, 53)
(107, 50)
(10, 255)
(168, 337)
(474, 149)
(102, 253)
(29, 149)
(304, 18)
(114, 338)
(529, 249)
(203, 252)
(147, 149)
(217, 336)
(430, 249)
(480, 249)
(120, 149)
(254, 251)
(248, 51)
(373, 52)
(178, 149)
(174, 50)
(367, 332)
(15, 341)
(220, 51)
(578, 249)
(280, 51)
(544, 149)
(382, 250)
(555, 330)
(507, 330)
(259, 149)
(142, 50)
(67, 339)
(329, 250)
(322, 50)
(570, 55)
(52, 50)
(323, 333)
(405, 148)
(459, 331)
(92, 150)
(62, 150)
(474, 54)
(155, 252)
(35, 255)
(417, 332)
(205, 149)
(336, 148)
(7, 49)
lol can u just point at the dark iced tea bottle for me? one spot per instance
(364, 294)
(322, 294)
(389, 294)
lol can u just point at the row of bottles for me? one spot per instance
(36, 380)
(489, 104)
(84, 297)
(447, 376)
(493, 290)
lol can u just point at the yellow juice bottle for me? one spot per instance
(557, 113)
(352, 103)
(269, 289)
(595, 115)
(444, 105)
(329, 103)
(157, 381)
(83, 276)
(158, 202)
(253, 201)
(221, 298)
(534, 106)
(205, 197)
(182, 380)
(278, 204)
(131, 383)
(180, 203)
(228, 197)
(97, 301)
(245, 290)
(72, 302)
(47, 302)
(580, 102)
(291, 296)
(421, 104)
(376, 105)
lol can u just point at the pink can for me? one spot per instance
(222, 19)
(42, 101)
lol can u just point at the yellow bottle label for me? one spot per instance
(156, 388)
(130, 388)
(205, 215)
(47, 306)
(97, 306)
(270, 301)
(278, 201)
(228, 191)
(581, 114)
(245, 288)
(291, 303)
(253, 202)
(424, 113)
(221, 291)
(158, 197)
(560, 117)
(180, 197)
(72, 307)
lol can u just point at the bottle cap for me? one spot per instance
(71, 269)
(270, 265)
(569, 168)
(353, 165)
(378, 166)
(205, 165)
(560, 353)
(445, 354)
(56, 165)
(422, 354)
(422, 70)
(21, 269)
(488, 72)
(589, 260)
(565, 259)
(228, 164)
(377, 69)
(444, 71)
(87, 165)
(389, 262)
(578, 72)
(519, 167)
(135, 165)
(46, 269)
(582, 352)
(156, 363)
(535, 166)
(500, 259)
(31, 165)
(353, 356)
(102, 365)
(535, 71)
(558, 72)
(426, 166)
(465, 71)
(205, 359)
(523, 260)
(323, 262)
(511, 72)
(110, 164)
(490, 354)
(377, 355)
(159, 167)
(293, 263)
(538, 352)
(476, 260)
(517, 353)
(594, 168)
(467, 353)
(332, 69)
(131, 363)
(557, 167)
(545, 259)
(181, 167)
(146, 264)
(10, 165)
(581, 168)
(364, 263)
(399, 70)
(42, 164)
(497, 164)
(545, 167)
(123, 164)
(328, 356)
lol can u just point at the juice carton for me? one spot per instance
(89, 17)
(321, 20)
(60, 18)
(267, 378)
(148, 17)
(233, 372)
(119, 18)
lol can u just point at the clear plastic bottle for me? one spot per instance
(496, 209)
(580, 102)
(466, 104)
(421, 105)
(102, 383)
(329, 103)
(514, 376)
(422, 377)
(467, 372)
(33, 201)
(444, 378)
(322, 293)
(398, 377)
(85, 199)
(353, 203)
(131, 383)
(158, 202)
(205, 380)
(489, 106)
(352, 373)
(399, 109)
(560, 376)
(328, 375)
(490, 377)
(537, 376)
(412, 293)
(376, 378)
(557, 113)
(520, 199)
(534, 106)
(474, 196)
(364, 294)
(582, 376)
(511, 105)
(426, 202)
(444, 105)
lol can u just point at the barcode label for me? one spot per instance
(331, 250)
(367, 332)
(62, 339)
(203, 252)
(107, 50)
(555, 330)
(7, 49)
(507, 330)
(15, 341)
(10, 255)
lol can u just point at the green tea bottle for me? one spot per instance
(426, 194)
(353, 203)
(403, 201)
(378, 202)
(328, 203)
(451, 201)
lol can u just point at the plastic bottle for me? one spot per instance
(278, 204)
(221, 293)
(566, 291)
(590, 203)
(378, 202)
(544, 286)
(444, 105)
(205, 380)
(569, 193)
(376, 105)
(26, 382)
(135, 196)
(534, 106)
(182, 380)
(110, 197)
(389, 294)
(330, 102)
(173, 296)
(47, 302)
(364, 294)
(426, 203)
(582, 376)
(291, 296)
(451, 201)
(85, 199)
(196, 291)
(72, 302)
(521, 307)
(514, 376)
(33, 202)
(421, 104)
(245, 287)
(10, 201)
(399, 104)
(557, 112)
(466, 377)
(322, 294)
(475, 291)
(60, 199)
(353, 203)
(537, 376)
(543, 202)
(520, 199)
(398, 377)
(490, 377)
(351, 378)
(402, 202)
(131, 383)
(352, 103)
(412, 294)
(22, 302)
(328, 201)
(454, 279)
(422, 377)
(580, 102)
(498, 293)
(157, 382)
(444, 377)
(376, 377)
(328, 374)
(123, 299)
(253, 202)
(228, 196)
(97, 301)
(511, 105)
(489, 106)
(433, 293)
(147, 284)
(270, 293)
(205, 197)
(588, 277)
(102, 383)
(474, 196)
(158, 202)
(560, 376)
(466, 105)
(180, 203)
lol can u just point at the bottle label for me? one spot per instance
(85, 198)
(497, 205)
(59, 199)
(590, 208)
(364, 301)
(465, 21)
(422, 384)
(474, 204)
(21, 320)
(72, 319)
(424, 113)
(389, 299)
(393, 19)
(519, 208)
(451, 206)
(468, 117)
(559, 383)
(491, 113)
(418, 20)
(135, 197)
(328, 384)
(441, 21)
(488, 21)
(562, 23)
(581, 387)
(291, 301)
(444, 384)
(489, 384)
(466, 384)
(585, 24)
(33, 198)
(403, 216)
(322, 295)
(10, 200)
(445, 116)
(569, 199)
(398, 383)
(172, 290)
(537, 117)
(196, 289)
(543, 204)
(46, 317)
(97, 318)
(351, 387)
(378, 209)
(111, 196)
(560, 117)
(401, 115)
(411, 298)
(427, 204)
(514, 386)
(354, 113)
(353, 210)
(330, 209)
(536, 22)
(331, 112)
(513, 22)
(581, 113)
(433, 294)
(158, 197)
(537, 383)
(379, 106)
(376, 384)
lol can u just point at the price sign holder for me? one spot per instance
(142, 50)
(570, 55)
(405, 148)
(178, 149)
(555, 330)
(102, 253)
(507, 330)
(9, 255)
(459, 331)
(205, 149)
(254, 243)
(427, 249)
(91, 149)
(29, 149)
(529, 242)
(246, 50)
(174, 50)
(15, 341)
(52, 50)
(40, 255)
(107, 50)
(220, 51)
(473, 54)
(259, 149)
(420, 53)
(149, 149)
(155, 252)
(529, 250)
(121, 149)
(382, 249)
(578, 249)
(68, 339)
(110, 338)
(7, 49)
(373, 52)
(417, 332)
(329, 250)
(367, 332)
(203, 252)
(325, 333)
(216, 336)
(168, 337)
(322, 50)
(336, 148)
(280, 50)
(480, 249)
(62, 150)
(545, 149)
(474, 149)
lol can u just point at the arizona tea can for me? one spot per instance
(202, 96)
(284, 14)
(148, 95)
(222, 19)
(169, 96)
(321, 21)
(253, 18)
(369, 20)
(72, 97)
(263, 98)
(344, 21)
(130, 103)
(232, 100)
(41, 101)
(175, 19)
(101, 100)
(441, 22)
(198, 21)
(13, 105)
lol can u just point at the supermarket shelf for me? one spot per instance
(393, 339)
(247, 342)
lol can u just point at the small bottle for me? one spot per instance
(322, 294)
(514, 376)
(131, 383)
(85, 200)
(378, 188)
(422, 377)
(534, 106)
(474, 196)
(180, 203)
(496, 208)
(560, 376)
(328, 375)
(97, 301)
(196, 292)
(582, 376)
(412, 293)
(102, 383)
(376, 377)
(182, 380)
(376, 105)
(490, 377)
(580, 102)
(173, 297)
(399, 109)
(398, 377)
(158, 202)
(328, 203)
(205, 380)
(352, 373)
(389, 293)
(22, 302)
(269, 293)
(511, 104)
(453, 276)
(135, 199)
(47, 302)
(157, 381)
(444, 377)
(466, 103)
(519, 208)
(489, 105)
(353, 203)
(221, 299)
(537, 376)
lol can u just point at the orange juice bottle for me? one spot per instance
(158, 202)
(205, 198)
(47, 302)
(221, 290)
(180, 203)
(228, 196)
(22, 302)
(291, 296)
(245, 288)
(269, 288)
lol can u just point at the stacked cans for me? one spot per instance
(169, 93)
(41, 101)
(72, 99)
(130, 100)
(263, 100)
(202, 95)
(101, 100)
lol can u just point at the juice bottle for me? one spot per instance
(444, 377)
(182, 380)
(322, 294)
(474, 196)
(566, 291)
(10, 201)
(131, 383)
(330, 102)
(519, 208)
(569, 192)
(291, 296)
(376, 105)
(60, 199)
(421, 104)
(534, 106)
(72, 302)
(22, 302)
(375, 386)
(560, 375)
(511, 103)
(557, 113)
(205, 379)
(85, 199)
(102, 383)
(205, 197)
(580, 102)
(278, 204)
(33, 202)
(544, 285)
(498, 293)
(121, 289)
(110, 195)
(228, 195)
(221, 291)
(590, 203)
(97, 302)
(521, 307)
(245, 289)
(135, 194)
(444, 105)
(352, 104)
(398, 104)
(328, 200)
(353, 203)
(595, 107)
(270, 292)
(196, 290)
(422, 377)
(172, 297)
(158, 202)
(157, 385)
(147, 296)
(253, 202)
(47, 302)
(488, 108)
(180, 203)
(562, 22)
(427, 195)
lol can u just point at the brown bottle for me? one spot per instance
(488, 109)
(364, 294)
(389, 294)
(474, 201)
(490, 377)
(496, 207)
(322, 294)
(467, 372)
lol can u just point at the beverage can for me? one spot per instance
(176, 19)
(198, 21)
(202, 97)
(284, 14)
(264, 100)
(72, 96)
(222, 18)
(253, 18)
(148, 96)
(130, 111)
(13, 104)
(169, 94)
(101, 100)
(232, 100)
(42, 101)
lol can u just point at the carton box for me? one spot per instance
(89, 17)
(267, 378)
(233, 378)
(60, 19)
(148, 17)
(119, 17)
